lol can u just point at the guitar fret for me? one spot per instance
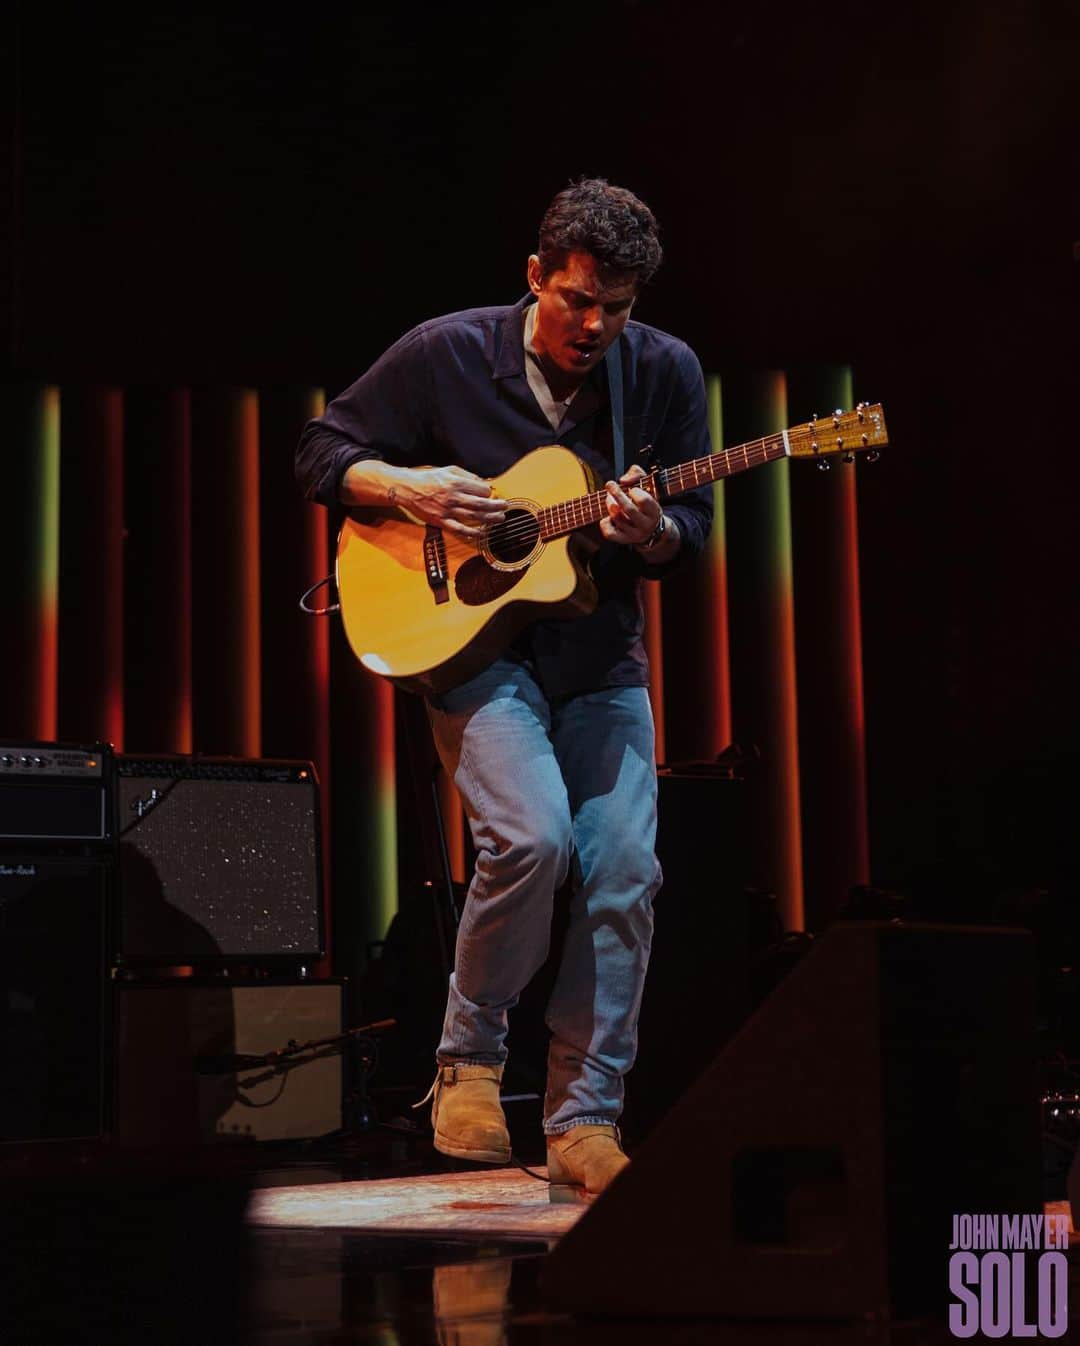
(566, 516)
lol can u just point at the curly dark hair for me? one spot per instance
(608, 222)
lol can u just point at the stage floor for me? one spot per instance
(323, 1252)
(456, 1259)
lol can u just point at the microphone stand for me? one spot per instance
(294, 1054)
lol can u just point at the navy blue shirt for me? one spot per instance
(454, 391)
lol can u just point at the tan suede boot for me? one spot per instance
(467, 1115)
(583, 1161)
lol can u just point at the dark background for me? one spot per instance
(275, 195)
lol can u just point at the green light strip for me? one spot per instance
(720, 719)
(46, 560)
(385, 860)
(778, 564)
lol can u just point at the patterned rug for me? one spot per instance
(501, 1202)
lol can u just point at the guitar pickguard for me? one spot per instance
(477, 583)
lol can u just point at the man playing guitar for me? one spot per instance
(550, 745)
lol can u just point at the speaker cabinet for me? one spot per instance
(219, 862)
(53, 924)
(696, 992)
(814, 1169)
(174, 1043)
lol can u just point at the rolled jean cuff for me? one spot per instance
(477, 1059)
(558, 1128)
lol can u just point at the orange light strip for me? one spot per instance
(318, 558)
(112, 413)
(318, 629)
(851, 615)
(453, 814)
(654, 649)
(830, 655)
(247, 542)
(181, 714)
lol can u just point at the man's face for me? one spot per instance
(579, 313)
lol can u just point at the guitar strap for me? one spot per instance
(613, 360)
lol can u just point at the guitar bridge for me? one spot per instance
(435, 563)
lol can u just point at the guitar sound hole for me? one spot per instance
(515, 538)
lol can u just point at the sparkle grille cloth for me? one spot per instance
(232, 838)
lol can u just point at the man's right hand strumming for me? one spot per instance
(450, 497)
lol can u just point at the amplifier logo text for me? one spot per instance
(995, 1260)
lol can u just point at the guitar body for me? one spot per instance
(429, 610)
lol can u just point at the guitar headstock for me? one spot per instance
(845, 432)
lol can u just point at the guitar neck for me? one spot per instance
(563, 518)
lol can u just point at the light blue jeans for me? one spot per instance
(546, 786)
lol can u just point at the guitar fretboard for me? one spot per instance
(563, 518)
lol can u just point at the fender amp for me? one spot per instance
(219, 862)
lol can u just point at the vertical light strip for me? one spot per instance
(181, 730)
(827, 629)
(112, 412)
(453, 815)
(851, 616)
(46, 541)
(385, 859)
(654, 650)
(783, 714)
(318, 555)
(719, 617)
(318, 560)
(247, 536)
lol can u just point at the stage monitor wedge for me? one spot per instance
(814, 1168)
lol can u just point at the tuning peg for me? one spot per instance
(824, 464)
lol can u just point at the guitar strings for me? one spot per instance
(510, 532)
(754, 453)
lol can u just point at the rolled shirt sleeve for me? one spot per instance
(384, 414)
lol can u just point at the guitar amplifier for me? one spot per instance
(54, 913)
(57, 848)
(56, 794)
(184, 1072)
(219, 862)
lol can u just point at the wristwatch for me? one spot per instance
(655, 536)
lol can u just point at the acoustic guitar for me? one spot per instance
(429, 609)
